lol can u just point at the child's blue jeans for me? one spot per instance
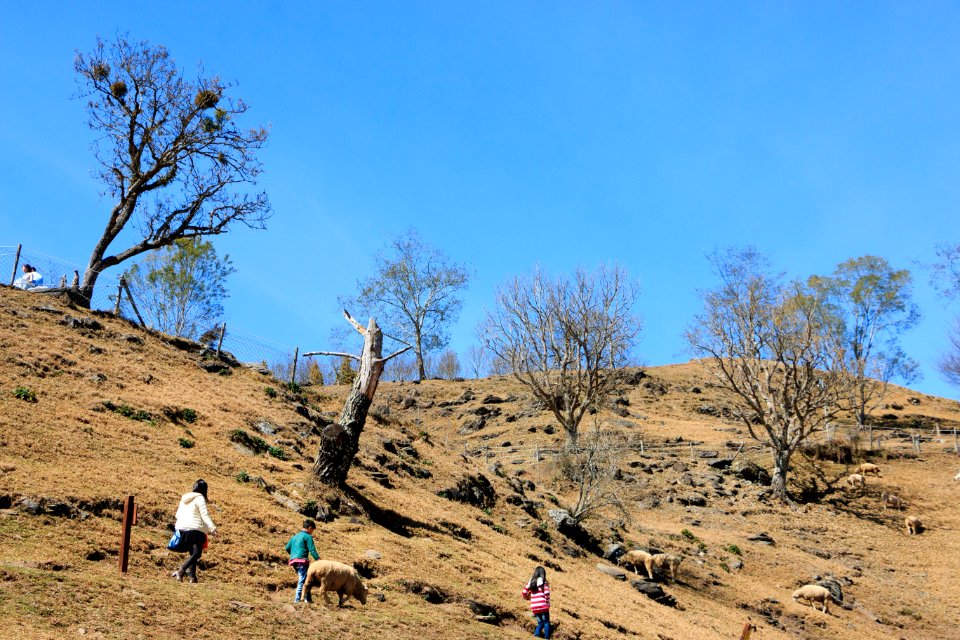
(543, 623)
(301, 569)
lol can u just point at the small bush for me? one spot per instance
(25, 394)
(271, 392)
(734, 549)
(181, 415)
(701, 545)
(188, 415)
(255, 444)
(242, 476)
(293, 387)
(278, 453)
(129, 412)
(723, 565)
(185, 443)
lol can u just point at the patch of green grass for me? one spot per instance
(129, 412)
(734, 549)
(723, 565)
(499, 529)
(701, 545)
(255, 444)
(25, 394)
(270, 391)
(186, 443)
(278, 453)
(242, 476)
(293, 387)
(181, 415)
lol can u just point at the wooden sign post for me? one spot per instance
(129, 519)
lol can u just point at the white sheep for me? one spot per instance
(667, 563)
(913, 525)
(855, 480)
(814, 593)
(868, 468)
(957, 477)
(892, 500)
(635, 558)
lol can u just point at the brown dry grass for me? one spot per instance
(59, 574)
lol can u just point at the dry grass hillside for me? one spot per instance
(93, 410)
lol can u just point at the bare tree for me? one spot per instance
(477, 360)
(946, 278)
(341, 440)
(874, 307)
(414, 292)
(773, 346)
(949, 363)
(402, 368)
(564, 337)
(172, 153)
(593, 469)
(448, 366)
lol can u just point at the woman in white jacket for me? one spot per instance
(194, 523)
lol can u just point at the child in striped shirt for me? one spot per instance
(537, 592)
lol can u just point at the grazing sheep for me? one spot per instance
(856, 480)
(814, 593)
(335, 576)
(892, 500)
(914, 526)
(635, 559)
(867, 468)
(957, 477)
(667, 563)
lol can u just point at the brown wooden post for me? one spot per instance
(16, 263)
(223, 330)
(133, 304)
(747, 628)
(293, 373)
(129, 519)
(116, 307)
(956, 449)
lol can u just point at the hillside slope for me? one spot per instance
(119, 411)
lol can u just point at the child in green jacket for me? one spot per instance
(301, 547)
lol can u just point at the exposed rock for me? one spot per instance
(762, 538)
(372, 554)
(752, 472)
(708, 454)
(475, 490)
(654, 591)
(614, 551)
(834, 587)
(213, 366)
(722, 463)
(692, 499)
(132, 338)
(472, 426)
(408, 403)
(615, 572)
(491, 399)
(265, 428)
(81, 323)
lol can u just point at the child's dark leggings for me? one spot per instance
(195, 540)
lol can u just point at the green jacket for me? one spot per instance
(300, 545)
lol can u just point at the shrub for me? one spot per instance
(242, 476)
(293, 387)
(181, 415)
(271, 392)
(185, 443)
(734, 549)
(701, 545)
(188, 415)
(25, 394)
(255, 444)
(278, 453)
(129, 412)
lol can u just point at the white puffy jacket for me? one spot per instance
(192, 514)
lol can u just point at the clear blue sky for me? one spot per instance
(518, 133)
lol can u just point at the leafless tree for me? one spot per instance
(564, 337)
(477, 359)
(949, 363)
(173, 154)
(414, 292)
(773, 346)
(593, 469)
(946, 278)
(402, 368)
(341, 440)
(448, 366)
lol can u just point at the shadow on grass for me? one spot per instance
(388, 518)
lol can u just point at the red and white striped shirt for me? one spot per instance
(539, 600)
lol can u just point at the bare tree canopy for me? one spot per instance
(874, 306)
(564, 338)
(173, 156)
(414, 293)
(774, 346)
(946, 278)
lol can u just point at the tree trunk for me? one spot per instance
(781, 465)
(89, 282)
(341, 441)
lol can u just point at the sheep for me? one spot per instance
(867, 468)
(335, 576)
(914, 526)
(635, 558)
(957, 477)
(856, 480)
(814, 593)
(667, 563)
(892, 500)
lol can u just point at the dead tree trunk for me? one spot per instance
(341, 440)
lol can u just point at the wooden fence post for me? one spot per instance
(16, 263)
(116, 307)
(223, 330)
(133, 304)
(129, 519)
(293, 374)
(955, 448)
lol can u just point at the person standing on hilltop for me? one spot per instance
(193, 523)
(537, 592)
(301, 547)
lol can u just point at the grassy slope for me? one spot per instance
(59, 573)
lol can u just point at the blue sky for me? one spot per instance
(516, 133)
